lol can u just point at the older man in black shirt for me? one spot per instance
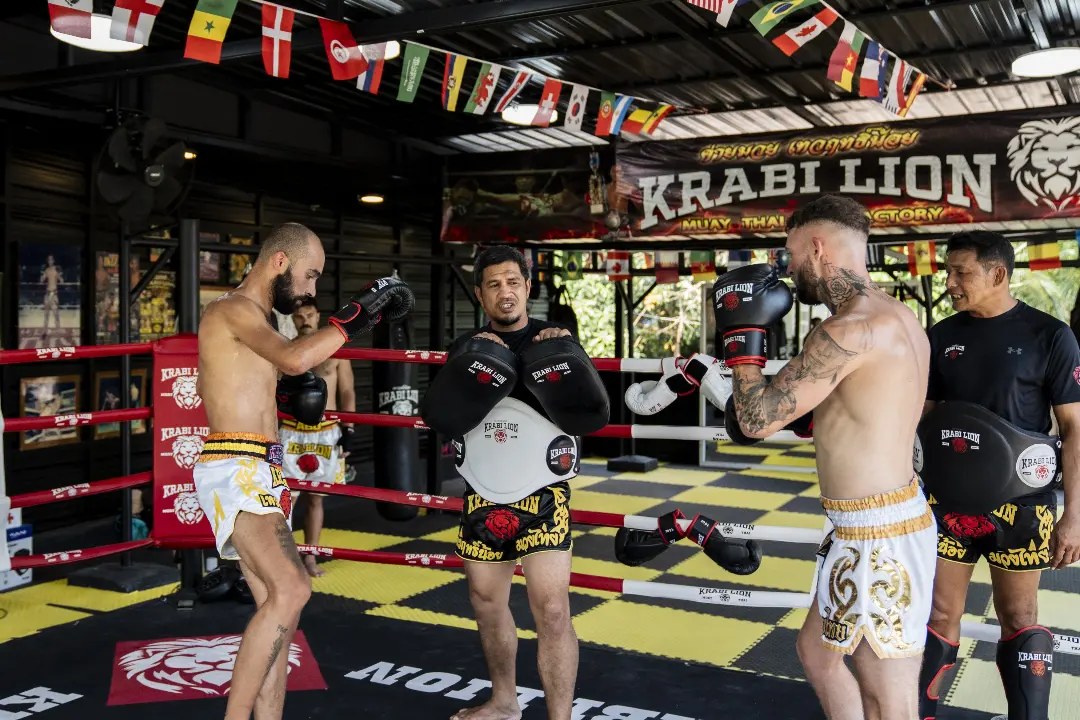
(1019, 363)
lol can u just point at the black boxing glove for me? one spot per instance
(387, 296)
(303, 397)
(731, 425)
(740, 557)
(348, 434)
(637, 547)
(746, 301)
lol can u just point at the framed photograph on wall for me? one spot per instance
(208, 293)
(209, 267)
(107, 397)
(238, 263)
(48, 395)
(50, 295)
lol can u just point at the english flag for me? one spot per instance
(133, 20)
(277, 23)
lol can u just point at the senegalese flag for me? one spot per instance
(770, 16)
(845, 57)
(572, 265)
(207, 30)
(703, 265)
(1044, 254)
(922, 258)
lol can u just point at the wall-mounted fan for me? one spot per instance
(142, 171)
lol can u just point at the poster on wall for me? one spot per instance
(514, 206)
(49, 295)
(1019, 166)
(157, 307)
(45, 396)
(107, 397)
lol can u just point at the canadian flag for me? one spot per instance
(618, 264)
(133, 20)
(277, 23)
(71, 17)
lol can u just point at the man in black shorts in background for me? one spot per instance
(1019, 363)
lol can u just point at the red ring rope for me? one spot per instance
(19, 562)
(43, 497)
(65, 421)
(82, 352)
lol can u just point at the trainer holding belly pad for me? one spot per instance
(997, 368)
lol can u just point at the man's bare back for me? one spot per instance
(236, 384)
(876, 407)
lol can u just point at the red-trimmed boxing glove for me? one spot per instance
(746, 301)
(387, 296)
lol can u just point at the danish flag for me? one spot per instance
(277, 23)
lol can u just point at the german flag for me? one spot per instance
(922, 258)
(1044, 254)
(207, 30)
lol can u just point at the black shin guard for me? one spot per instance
(1026, 664)
(938, 657)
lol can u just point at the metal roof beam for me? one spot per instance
(366, 30)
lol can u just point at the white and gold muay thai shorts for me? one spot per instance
(875, 572)
(312, 452)
(239, 472)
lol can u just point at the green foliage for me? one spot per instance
(666, 322)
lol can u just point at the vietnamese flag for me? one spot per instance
(207, 30)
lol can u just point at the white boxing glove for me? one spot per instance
(652, 396)
(708, 373)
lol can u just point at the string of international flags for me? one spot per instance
(894, 88)
(618, 114)
(133, 20)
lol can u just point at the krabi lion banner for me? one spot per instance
(939, 172)
(948, 171)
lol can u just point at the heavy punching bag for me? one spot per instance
(397, 450)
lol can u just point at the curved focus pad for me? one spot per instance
(973, 461)
(741, 557)
(745, 302)
(637, 547)
(388, 296)
(302, 397)
(561, 376)
(477, 375)
(731, 425)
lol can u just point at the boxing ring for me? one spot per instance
(179, 523)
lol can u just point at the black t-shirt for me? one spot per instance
(1017, 365)
(517, 341)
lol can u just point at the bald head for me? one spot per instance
(293, 257)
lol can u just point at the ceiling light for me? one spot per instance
(371, 199)
(190, 154)
(393, 49)
(524, 114)
(1049, 62)
(99, 39)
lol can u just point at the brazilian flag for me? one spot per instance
(572, 266)
(770, 16)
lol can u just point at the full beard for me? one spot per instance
(807, 287)
(282, 297)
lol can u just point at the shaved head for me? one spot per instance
(293, 255)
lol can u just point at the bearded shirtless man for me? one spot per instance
(238, 477)
(863, 375)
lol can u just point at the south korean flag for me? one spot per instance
(575, 109)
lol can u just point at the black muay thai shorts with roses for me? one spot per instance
(490, 532)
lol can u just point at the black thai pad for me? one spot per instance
(560, 374)
(973, 461)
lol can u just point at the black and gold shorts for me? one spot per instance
(1015, 536)
(489, 532)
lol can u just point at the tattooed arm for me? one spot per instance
(832, 351)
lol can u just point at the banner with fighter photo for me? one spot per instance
(1016, 166)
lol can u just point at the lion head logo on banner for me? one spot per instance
(1044, 162)
(201, 664)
